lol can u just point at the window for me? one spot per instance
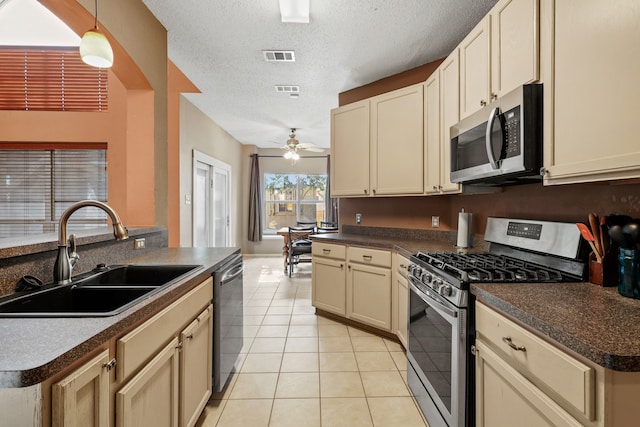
(37, 185)
(289, 198)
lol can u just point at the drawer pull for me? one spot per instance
(507, 341)
(367, 257)
(326, 251)
(189, 337)
(109, 365)
(402, 266)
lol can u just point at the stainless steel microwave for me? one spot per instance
(502, 143)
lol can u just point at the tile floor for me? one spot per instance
(299, 369)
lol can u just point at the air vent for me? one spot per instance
(287, 89)
(279, 55)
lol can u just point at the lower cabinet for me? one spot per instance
(328, 278)
(82, 398)
(400, 298)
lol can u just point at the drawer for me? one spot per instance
(545, 365)
(369, 256)
(402, 264)
(328, 250)
(138, 346)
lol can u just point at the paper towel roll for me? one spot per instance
(465, 229)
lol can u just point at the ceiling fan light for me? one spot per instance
(294, 11)
(95, 49)
(295, 156)
(288, 155)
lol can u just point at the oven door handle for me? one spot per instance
(430, 298)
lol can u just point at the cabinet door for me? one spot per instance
(350, 149)
(369, 295)
(150, 398)
(82, 398)
(402, 301)
(514, 45)
(504, 398)
(592, 134)
(449, 116)
(474, 69)
(328, 285)
(432, 134)
(397, 142)
(195, 367)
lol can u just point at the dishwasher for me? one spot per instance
(227, 320)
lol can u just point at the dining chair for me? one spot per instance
(299, 246)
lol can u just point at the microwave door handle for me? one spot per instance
(492, 118)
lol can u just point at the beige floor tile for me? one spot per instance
(356, 332)
(394, 412)
(299, 331)
(400, 359)
(246, 344)
(384, 384)
(255, 311)
(295, 413)
(211, 413)
(262, 362)
(283, 302)
(300, 362)
(276, 319)
(254, 386)
(368, 344)
(226, 391)
(279, 310)
(326, 321)
(250, 331)
(243, 413)
(267, 345)
(301, 345)
(272, 331)
(298, 385)
(375, 361)
(332, 330)
(392, 345)
(258, 302)
(252, 320)
(304, 319)
(341, 384)
(335, 344)
(338, 362)
(301, 309)
(345, 412)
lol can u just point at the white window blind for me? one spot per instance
(50, 79)
(37, 185)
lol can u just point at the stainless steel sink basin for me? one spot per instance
(106, 292)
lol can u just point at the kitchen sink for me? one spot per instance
(103, 292)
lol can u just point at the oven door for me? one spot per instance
(437, 342)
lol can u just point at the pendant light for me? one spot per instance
(95, 49)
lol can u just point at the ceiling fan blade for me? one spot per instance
(313, 149)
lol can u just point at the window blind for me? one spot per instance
(37, 185)
(50, 79)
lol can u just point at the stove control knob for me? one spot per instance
(445, 290)
(426, 277)
(437, 283)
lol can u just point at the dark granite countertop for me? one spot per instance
(595, 322)
(34, 349)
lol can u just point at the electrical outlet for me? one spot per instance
(435, 221)
(358, 218)
(187, 199)
(139, 243)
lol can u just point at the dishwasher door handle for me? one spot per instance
(232, 274)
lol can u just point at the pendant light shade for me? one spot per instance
(95, 49)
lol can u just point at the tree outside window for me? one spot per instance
(292, 198)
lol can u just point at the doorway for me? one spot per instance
(211, 190)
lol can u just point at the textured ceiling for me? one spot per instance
(218, 44)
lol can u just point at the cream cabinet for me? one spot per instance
(499, 54)
(377, 145)
(328, 277)
(589, 57)
(369, 287)
(164, 365)
(400, 293)
(350, 149)
(82, 398)
(449, 75)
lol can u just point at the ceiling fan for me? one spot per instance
(293, 145)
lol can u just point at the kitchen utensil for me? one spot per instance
(594, 223)
(620, 220)
(586, 234)
(615, 232)
(632, 233)
(605, 240)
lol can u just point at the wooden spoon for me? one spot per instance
(586, 234)
(594, 222)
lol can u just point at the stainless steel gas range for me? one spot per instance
(441, 368)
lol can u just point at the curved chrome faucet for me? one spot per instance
(65, 261)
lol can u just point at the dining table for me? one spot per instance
(284, 232)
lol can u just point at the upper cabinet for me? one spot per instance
(499, 54)
(449, 116)
(377, 145)
(588, 56)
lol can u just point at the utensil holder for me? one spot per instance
(629, 273)
(604, 273)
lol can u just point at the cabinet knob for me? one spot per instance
(374, 191)
(179, 346)
(435, 187)
(110, 364)
(483, 102)
(189, 337)
(365, 191)
(494, 96)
